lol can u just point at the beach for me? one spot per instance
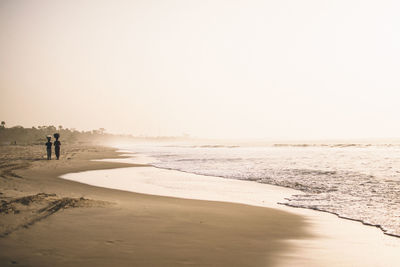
(199, 133)
(48, 221)
(330, 240)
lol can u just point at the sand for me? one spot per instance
(48, 221)
(334, 241)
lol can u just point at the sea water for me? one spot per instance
(355, 182)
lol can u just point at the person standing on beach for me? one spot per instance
(57, 145)
(48, 147)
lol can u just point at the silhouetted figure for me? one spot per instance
(48, 147)
(57, 145)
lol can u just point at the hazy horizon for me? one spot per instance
(215, 69)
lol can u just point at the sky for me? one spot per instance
(310, 69)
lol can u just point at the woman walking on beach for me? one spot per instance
(57, 145)
(48, 147)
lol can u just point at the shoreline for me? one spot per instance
(101, 227)
(329, 232)
(344, 218)
(135, 158)
(144, 159)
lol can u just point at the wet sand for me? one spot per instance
(48, 221)
(335, 241)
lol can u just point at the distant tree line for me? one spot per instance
(19, 135)
(37, 135)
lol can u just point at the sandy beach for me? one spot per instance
(170, 219)
(333, 241)
(48, 221)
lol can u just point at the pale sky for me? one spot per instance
(233, 68)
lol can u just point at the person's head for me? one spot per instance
(56, 136)
(48, 138)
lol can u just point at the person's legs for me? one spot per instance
(57, 152)
(48, 154)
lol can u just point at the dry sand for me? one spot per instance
(48, 221)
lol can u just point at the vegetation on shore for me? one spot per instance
(19, 135)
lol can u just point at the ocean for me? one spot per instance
(357, 182)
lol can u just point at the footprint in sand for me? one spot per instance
(111, 242)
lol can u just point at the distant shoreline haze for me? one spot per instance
(37, 135)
